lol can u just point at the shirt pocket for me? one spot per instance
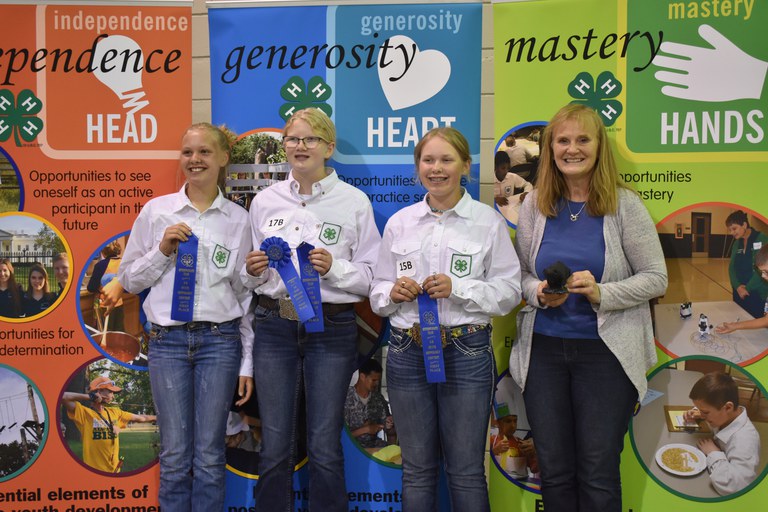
(464, 258)
(222, 257)
(407, 257)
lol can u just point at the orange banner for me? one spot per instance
(93, 102)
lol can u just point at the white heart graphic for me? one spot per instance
(427, 73)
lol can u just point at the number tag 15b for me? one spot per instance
(406, 267)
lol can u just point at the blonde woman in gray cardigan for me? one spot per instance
(582, 352)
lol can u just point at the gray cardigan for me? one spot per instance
(634, 273)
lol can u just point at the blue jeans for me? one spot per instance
(193, 374)
(579, 402)
(284, 356)
(450, 417)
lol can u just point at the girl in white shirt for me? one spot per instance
(458, 252)
(194, 363)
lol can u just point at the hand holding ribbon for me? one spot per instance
(279, 253)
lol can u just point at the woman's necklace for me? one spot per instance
(575, 216)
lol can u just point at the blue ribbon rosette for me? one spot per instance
(279, 254)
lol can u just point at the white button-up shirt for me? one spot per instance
(224, 237)
(336, 217)
(469, 243)
(735, 469)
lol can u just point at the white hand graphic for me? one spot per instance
(721, 73)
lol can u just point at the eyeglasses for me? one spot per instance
(309, 142)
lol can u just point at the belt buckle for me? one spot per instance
(416, 335)
(286, 310)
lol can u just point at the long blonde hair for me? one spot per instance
(604, 181)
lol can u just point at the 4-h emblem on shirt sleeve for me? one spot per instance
(461, 265)
(220, 256)
(330, 233)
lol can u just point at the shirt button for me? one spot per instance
(303, 204)
(296, 228)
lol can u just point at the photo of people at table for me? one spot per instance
(715, 304)
(511, 438)
(367, 414)
(515, 167)
(702, 429)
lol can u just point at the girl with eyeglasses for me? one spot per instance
(314, 206)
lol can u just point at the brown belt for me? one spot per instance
(447, 334)
(285, 309)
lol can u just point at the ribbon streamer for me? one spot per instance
(431, 340)
(279, 253)
(183, 299)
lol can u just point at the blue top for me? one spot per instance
(581, 246)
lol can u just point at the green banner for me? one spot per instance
(681, 88)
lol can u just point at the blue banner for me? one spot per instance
(386, 74)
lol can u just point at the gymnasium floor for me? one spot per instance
(697, 280)
(706, 280)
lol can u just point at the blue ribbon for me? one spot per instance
(431, 342)
(279, 253)
(311, 281)
(183, 300)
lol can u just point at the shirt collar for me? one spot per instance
(324, 186)
(182, 201)
(738, 422)
(463, 208)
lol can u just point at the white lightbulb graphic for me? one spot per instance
(120, 81)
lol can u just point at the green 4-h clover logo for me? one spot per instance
(329, 233)
(221, 256)
(461, 265)
(300, 95)
(17, 116)
(598, 94)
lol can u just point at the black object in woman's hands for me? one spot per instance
(556, 275)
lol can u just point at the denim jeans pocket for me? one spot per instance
(343, 319)
(227, 330)
(399, 341)
(475, 343)
(261, 314)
